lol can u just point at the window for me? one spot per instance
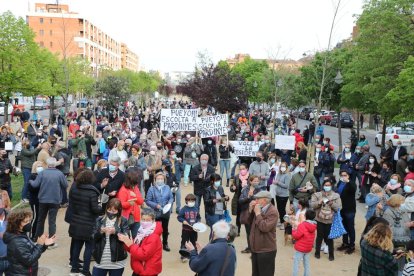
(41, 20)
(41, 44)
(50, 32)
(41, 32)
(51, 21)
(51, 44)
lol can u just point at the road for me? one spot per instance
(332, 133)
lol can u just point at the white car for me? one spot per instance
(9, 108)
(394, 134)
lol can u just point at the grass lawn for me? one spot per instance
(17, 185)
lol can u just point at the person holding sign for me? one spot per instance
(224, 149)
(261, 169)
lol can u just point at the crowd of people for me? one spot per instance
(120, 179)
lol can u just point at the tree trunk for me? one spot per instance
(6, 109)
(384, 127)
(357, 121)
(339, 131)
(51, 107)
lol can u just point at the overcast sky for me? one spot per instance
(168, 34)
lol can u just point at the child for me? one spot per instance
(304, 234)
(409, 267)
(376, 202)
(189, 215)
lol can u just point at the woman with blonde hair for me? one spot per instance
(301, 151)
(376, 252)
(394, 185)
(398, 221)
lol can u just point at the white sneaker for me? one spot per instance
(326, 250)
(278, 224)
(322, 247)
(53, 246)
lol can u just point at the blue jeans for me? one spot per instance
(348, 219)
(296, 260)
(87, 253)
(211, 219)
(134, 228)
(225, 165)
(177, 196)
(187, 170)
(103, 272)
(26, 176)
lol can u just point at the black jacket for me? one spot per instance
(85, 210)
(5, 179)
(348, 197)
(211, 151)
(23, 254)
(201, 184)
(209, 196)
(118, 252)
(225, 152)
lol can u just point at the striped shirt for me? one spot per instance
(408, 269)
(106, 255)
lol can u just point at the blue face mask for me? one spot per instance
(217, 184)
(393, 181)
(407, 189)
(327, 188)
(112, 168)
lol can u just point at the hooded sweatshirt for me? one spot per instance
(305, 236)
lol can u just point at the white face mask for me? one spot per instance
(282, 169)
(191, 204)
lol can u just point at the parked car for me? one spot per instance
(326, 117)
(395, 134)
(9, 108)
(82, 102)
(40, 104)
(304, 114)
(346, 120)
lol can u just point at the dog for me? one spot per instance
(288, 233)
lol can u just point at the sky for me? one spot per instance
(168, 34)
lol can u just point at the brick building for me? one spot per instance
(62, 31)
(275, 64)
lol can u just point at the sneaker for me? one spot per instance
(278, 224)
(323, 247)
(24, 201)
(331, 258)
(53, 246)
(64, 205)
(246, 251)
(86, 273)
(74, 272)
(350, 250)
(183, 259)
(326, 250)
(166, 248)
(282, 227)
(317, 255)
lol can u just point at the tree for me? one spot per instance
(112, 90)
(385, 40)
(217, 86)
(18, 58)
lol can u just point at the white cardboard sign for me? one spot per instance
(178, 119)
(285, 142)
(246, 148)
(209, 126)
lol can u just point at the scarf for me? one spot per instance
(143, 233)
(244, 179)
(393, 187)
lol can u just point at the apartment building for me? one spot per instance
(67, 33)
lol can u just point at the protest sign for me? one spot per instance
(246, 148)
(209, 126)
(285, 142)
(178, 119)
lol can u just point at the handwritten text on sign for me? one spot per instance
(246, 148)
(209, 126)
(179, 119)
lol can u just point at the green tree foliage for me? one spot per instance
(112, 90)
(385, 41)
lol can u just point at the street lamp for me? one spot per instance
(278, 85)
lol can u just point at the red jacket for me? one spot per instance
(298, 138)
(304, 236)
(410, 175)
(124, 195)
(146, 258)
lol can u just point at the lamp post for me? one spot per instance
(339, 80)
(279, 84)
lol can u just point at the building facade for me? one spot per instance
(129, 60)
(69, 34)
(276, 64)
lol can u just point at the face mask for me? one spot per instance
(174, 156)
(327, 188)
(259, 159)
(243, 172)
(217, 184)
(111, 215)
(159, 147)
(112, 168)
(302, 170)
(318, 150)
(204, 162)
(178, 141)
(209, 142)
(325, 143)
(282, 169)
(393, 181)
(188, 136)
(407, 189)
(347, 149)
(27, 228)
(133, 136)
(272, 160)
(371, 160)
(357, 151)
(39, 170)
(191, 204)
(159, 183)
(152, 152)
(267, 141)
(146, 224)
